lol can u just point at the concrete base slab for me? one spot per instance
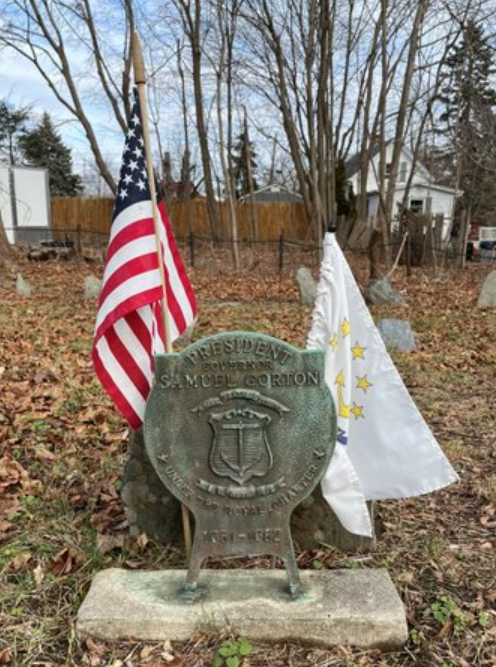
(357, 607)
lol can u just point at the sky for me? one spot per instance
(22, 86)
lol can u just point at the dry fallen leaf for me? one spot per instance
(146, 651)
(107, 543)
(5, 656)
(38, 574)
(20, 562)
(142, 540)
(44, 454)
(65, 562)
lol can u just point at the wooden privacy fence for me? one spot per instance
(91, 215)
(260, 221)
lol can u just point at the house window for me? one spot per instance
(416, 205)
(387, 170)
(402, 175)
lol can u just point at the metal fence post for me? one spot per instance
(192, 250)
(281, 251)
(79, 240)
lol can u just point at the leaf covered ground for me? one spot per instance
(63, 448)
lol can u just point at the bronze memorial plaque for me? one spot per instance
(240, 427)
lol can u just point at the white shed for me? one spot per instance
(25, 203)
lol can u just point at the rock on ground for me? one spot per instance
(397, 335)
(149, 506)
(380, 292)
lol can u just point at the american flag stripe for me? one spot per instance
(140, 322)
(121, 339)
(177, 317)
(133, 293)
(180, 286)
(132, 332)
(135, 213)
(144, 262)
(117, 384)
(129, 326)
(128, 243)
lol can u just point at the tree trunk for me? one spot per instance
(5, 247)
(213, 214)
(224, 54)
(192, 21)
(399, 137)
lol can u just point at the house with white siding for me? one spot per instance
(424, 196)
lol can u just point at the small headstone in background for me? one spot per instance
(307, 285)
(93, 255)
(23, 288)
(380, 292)
(487, 298)
(397, 335)
(92, 287)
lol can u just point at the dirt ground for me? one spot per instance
(63, 448)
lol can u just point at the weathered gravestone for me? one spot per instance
(307, 286)
(23, 287)
(380, 292)
(487, 298)
(92, 287)
(241, 427)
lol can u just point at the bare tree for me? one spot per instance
(292, 44)
(227, 19)
(398, 142)
(192, 16)
(5, 247)
(48, 32)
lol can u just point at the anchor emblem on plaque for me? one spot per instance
(240, 448)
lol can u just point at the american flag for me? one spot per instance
(129, 324)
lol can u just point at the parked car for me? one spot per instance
(486, 249)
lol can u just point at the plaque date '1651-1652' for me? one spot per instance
(240, 427)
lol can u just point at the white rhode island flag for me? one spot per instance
(385, 449)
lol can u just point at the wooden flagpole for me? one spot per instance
(140, 79)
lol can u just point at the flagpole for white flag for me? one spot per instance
(140, 79)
